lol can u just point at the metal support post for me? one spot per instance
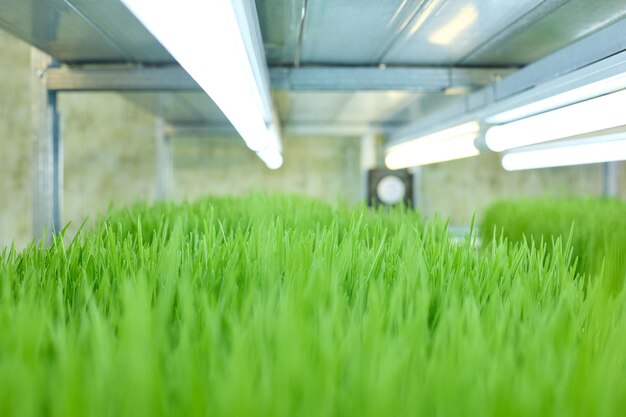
(368, 160)
(417, 187)
(609, 179)
(47, 152)
(164, 165)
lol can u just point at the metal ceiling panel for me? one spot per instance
(419, 106)
(280, 26)
(82, 31)
(572, 21)
(445, 31)
(116, 23)
(54, 27)
(309, 107)
(356, 32)
(372, 107)
(346, 32)
(340, 108)
(204, 106)
(188, 107)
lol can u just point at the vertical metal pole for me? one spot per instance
(47, 152)
(417, 187)
(609, 179)
(368, 160)
(164, 164)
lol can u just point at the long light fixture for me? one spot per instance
(596, 114)
(271, 155)
(575, 95)
(272, 159)
(446, 145)
(564, 153)
(213, 41)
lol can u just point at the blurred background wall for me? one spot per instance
(109, 151)
(109, 155)
(458, 188)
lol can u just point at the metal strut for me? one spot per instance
(47, 152)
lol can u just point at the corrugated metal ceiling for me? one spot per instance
(428, 32)
(329, 32)
(78, 31)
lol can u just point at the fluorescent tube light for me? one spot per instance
(575, 95)
(445, 145)
(566, 153)
(271, 157)
(588, 116)
(212, 40)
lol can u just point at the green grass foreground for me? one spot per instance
(595, 227)
(283, 306)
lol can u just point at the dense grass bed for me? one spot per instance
(595, 227)
(288, 307)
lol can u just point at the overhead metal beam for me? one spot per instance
(610, 179)
(517, 27)
(595, 47)
(598, 56)
(295, 129)
(289, 129)
(174, 78)
(47, 153)
(120, 79)
(419, 79)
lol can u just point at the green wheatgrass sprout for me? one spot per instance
(595, 227)
(283, 306)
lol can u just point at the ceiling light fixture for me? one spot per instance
(593, 115)
(575, 95)
(565, 153)
(446, 145)
(214, 42)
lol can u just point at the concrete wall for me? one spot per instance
(15, 144)
(327, 168)
(109, 152)
(457, 189)
(110, 158)
(108, 146)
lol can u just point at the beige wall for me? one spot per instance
(109, 157)
(109, 154)
(15, 158)
(327, 168)
(108, 146)
(457, 189)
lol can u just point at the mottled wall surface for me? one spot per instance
(108, 149)
(110, 158)
(327, 168)
(457, 189)
(15, 143)
(109, 153)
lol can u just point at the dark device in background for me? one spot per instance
(389, 188)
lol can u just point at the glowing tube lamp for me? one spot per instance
(211, 40)
(566, 153)
(446, 145)
(588, 116)
(574, 95)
